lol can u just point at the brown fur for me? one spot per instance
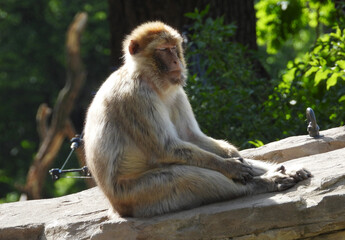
(145, 148)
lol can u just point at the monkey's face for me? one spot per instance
(154, 52)
(167, 60)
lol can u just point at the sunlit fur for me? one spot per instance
(146, 150)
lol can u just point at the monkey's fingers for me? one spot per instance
(246, 174)
(244, 179)
(250, 170)
(238, 171)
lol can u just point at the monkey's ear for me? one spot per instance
(133, 47)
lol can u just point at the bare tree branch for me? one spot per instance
(42, 115)
(56, 132)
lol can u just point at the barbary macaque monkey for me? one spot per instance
(144, 146)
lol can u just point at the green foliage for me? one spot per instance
(285, 32)
(32, 71)
(230, 102)
(316, 80)
(224, 93)
(256, 143)
(10, 197)
(280, 20)
(67, 185)
(313, 78)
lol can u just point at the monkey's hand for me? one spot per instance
(238, 170)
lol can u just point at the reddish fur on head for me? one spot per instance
(146, 37)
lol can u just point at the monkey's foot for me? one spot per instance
(300, 175)
(283, 179)
(290, 178)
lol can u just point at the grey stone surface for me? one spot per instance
(298, 146)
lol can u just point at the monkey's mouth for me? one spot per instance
(177, 77)
(175, 73)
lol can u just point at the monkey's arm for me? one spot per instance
(220, 147)
(189, 130)
(151, 129)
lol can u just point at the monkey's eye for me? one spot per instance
(167, 48)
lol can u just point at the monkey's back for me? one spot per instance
(103, 139)
(110, 150)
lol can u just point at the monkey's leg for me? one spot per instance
(174, 188)
(181, 187)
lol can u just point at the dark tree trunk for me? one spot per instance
(124, 15)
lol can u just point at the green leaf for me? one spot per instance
(332, 80)
(256, 143)
(342, 98)
(205, 11)
(333, 116)
(341, 63)
(311, 71)
(321, 75)
(101, 15)
(27, 144)
(191, 15)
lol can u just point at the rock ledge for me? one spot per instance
(313, 209)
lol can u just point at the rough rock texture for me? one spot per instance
(300, 146)
(314, 209)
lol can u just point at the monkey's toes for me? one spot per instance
(281, 169)
(285, 183)
(301, 174)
